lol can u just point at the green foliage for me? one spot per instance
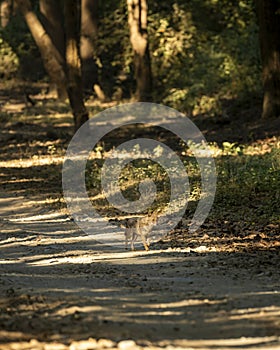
(22, 55)
(114, 53)
(9, 62)
(248, 184)
(204, 52)
(197, 63)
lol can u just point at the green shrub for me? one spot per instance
(9, 62)
(198, 63)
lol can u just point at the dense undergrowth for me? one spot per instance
(248, 182)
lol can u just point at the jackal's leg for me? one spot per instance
(141, 232)
(145, 244)
(126, 242)
(133, 239)
(128, 235)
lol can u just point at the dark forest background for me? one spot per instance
(204, 55)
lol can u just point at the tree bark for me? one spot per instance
(73, 62)
(137, 21)
(5, 12)
(52, 20)
(269, 32)
(89, 27)
(50, 55)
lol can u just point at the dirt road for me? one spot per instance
(61, 289)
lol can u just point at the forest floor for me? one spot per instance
(60, 289)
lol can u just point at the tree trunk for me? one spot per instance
(89, 27)
(5, 12)
(269, 32)
(137, 21)
(73, 62)
(50, 55)
(52, 20)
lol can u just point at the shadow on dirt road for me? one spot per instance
(66, 290)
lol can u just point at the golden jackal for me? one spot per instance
(141, 226)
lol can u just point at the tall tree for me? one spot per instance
(89, 29)
(73, 62)
(269, 34)
(52, 20)
(137, 21)
(6, 9)
(51, 57)
(62, 65)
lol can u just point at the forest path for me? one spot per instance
(60, 289)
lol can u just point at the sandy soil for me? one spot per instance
(61, 289)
